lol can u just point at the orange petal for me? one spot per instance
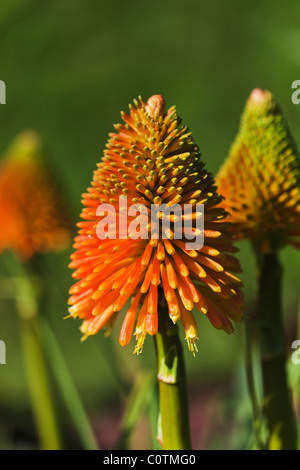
(128, 323)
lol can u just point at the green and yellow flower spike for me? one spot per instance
(260, 183)
(260, 179)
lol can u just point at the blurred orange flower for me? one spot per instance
(260, 180)
(32, 209)
(151, 159)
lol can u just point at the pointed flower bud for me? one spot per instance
(260, 180)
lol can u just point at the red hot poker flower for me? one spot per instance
(151, 159)
(32, 207)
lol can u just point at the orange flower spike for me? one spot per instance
(31, 204)
(152, 160)
(260, 180)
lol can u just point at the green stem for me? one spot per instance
(67, 388)
(39, 387)
(174, 413)
(277, 402)
(137, 403)
(250, 341)
(26, 296)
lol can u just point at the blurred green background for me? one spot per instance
(69, 68)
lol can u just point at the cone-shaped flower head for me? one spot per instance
(260, 180)
(32, 209)
(151, 160)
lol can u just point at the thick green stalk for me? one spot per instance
(277, 402)
(174, 415)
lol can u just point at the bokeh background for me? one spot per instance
(69, 68)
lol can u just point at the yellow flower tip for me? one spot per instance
(260, 105)
(72, 311)
(140, 340)
(107, 332)
(191, 332)
(190, 329)
(83, 338)
(259, 96)
(174, 317)
(27, 143)
(68, 316)
(155, 106)
(192, 345)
